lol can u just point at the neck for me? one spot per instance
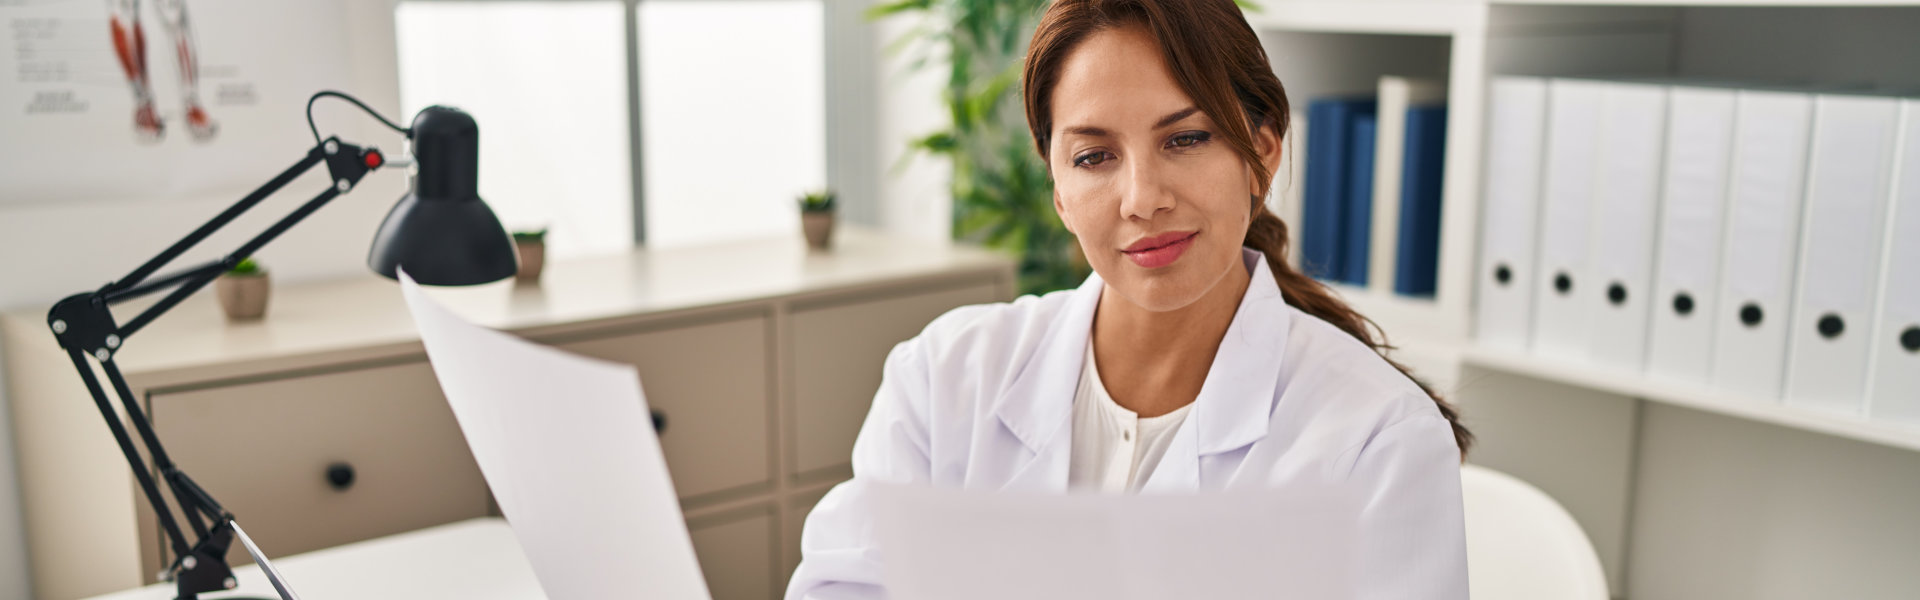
(1154, 362)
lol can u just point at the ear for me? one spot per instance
(1270, 144)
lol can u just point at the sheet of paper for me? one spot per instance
(567, 445)
(945, 544)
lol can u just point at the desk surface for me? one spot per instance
(307, 319)
(473, 560)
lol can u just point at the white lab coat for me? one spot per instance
(982, 399)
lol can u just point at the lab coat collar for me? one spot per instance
(1235, 401)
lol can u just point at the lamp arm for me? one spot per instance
(84, 326)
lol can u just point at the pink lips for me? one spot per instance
(1160, 250)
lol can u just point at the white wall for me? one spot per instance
(53, 251)
(95, 243)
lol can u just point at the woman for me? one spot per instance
(1194, 358)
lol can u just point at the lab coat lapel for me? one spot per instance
(1235, 406)
(1038, 406)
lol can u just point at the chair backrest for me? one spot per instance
(1521, 545)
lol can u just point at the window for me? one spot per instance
(732, 116)
(731, 105)
(547, 83)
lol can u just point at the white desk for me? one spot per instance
(476, 559)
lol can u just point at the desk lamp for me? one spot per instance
(440, 232)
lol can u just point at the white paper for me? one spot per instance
(946, 544)
(566, 443)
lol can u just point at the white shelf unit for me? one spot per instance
(1728, 3)
(1409, 17)
(1323, 48)
(1685, 490)
(1695, 396)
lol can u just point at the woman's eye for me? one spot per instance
(1189, 139)
(1091, 159)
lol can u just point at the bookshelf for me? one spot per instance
(1757, 498)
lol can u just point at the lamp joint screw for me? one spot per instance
(333, 147)
(102, 354)
(230, 583)
(59, 326)
(343, 184)
(113, 341)
(188, 563)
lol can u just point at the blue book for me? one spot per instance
(1323, 207)
(1418, 257)
(1357, 238)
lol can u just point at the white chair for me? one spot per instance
(1521, 545)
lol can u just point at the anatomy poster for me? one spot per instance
(146, 100)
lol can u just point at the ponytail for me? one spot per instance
(1268, 234)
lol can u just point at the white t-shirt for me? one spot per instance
(1114, 450)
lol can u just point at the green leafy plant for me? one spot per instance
(1002, 194)
(816, 202)
(246, 267)
(1002, 197)
(530, 237)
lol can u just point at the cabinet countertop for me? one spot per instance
(366, 313)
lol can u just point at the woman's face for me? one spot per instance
(1150, 185)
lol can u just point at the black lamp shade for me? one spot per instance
(441, 232)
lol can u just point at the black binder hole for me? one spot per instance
(1750, 314)
(1562, 283)
(1502, 274)
(1617, 294)
(1683, 304)
(1831, 326)
(1910, 339)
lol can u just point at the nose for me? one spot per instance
(1144, 192)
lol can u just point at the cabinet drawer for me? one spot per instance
(839, 352)
(264, 449)
(710, 381)
(736, 556)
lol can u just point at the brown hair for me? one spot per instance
(1218, 61)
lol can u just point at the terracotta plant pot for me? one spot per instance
(533, 260)
(819, 228)
(243, 297)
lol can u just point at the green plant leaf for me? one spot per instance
(881, 11)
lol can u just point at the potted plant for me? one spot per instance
(243, 291)
(532, 246)
(816, 218)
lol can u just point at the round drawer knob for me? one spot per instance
(340, 476)
(659, 422)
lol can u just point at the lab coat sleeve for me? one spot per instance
(1413, 534)
(838, 555)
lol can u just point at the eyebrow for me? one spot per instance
(1165, 121)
